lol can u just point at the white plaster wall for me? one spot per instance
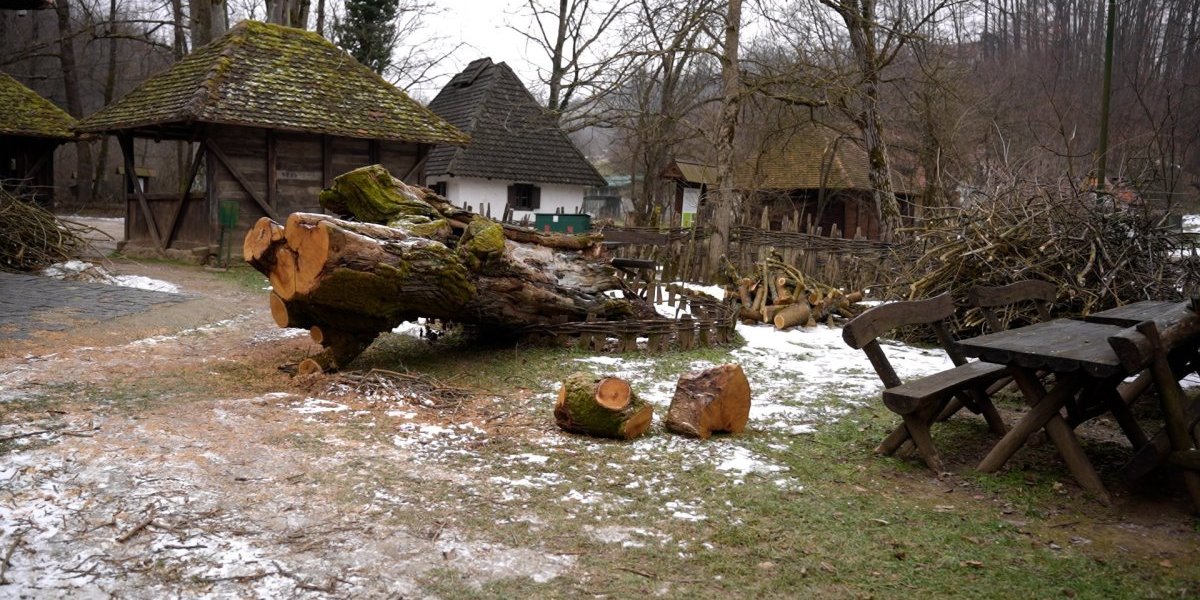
(479, 193)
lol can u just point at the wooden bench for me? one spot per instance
(920, 402)
(988, 299)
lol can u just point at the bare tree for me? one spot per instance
(725, 203)
(575, 37)
(70, 73)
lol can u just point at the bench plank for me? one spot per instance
(917, 394)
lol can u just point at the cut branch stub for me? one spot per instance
(713, 400)
(603, 407)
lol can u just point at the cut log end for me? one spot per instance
(259, 239)
(580, 408)
(713, 400)
(613, 393)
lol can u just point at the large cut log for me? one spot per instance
(716, 399)
(601, 406)
(409, 253)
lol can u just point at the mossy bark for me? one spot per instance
(584, 407)
(432, 260)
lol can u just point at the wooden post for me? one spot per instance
(126, 143)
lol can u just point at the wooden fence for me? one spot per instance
(682, 253)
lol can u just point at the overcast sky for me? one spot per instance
(482, 29)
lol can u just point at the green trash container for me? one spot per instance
(227, 216)
(561, 223)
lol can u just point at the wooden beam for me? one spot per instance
(272, 165)
(184, 194)
(228, 164)
(326, 161)
(126, 143)
(374, 152)
(423, 152)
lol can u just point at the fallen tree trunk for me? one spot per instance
(716, 399)
(355, 279)
(604, 407)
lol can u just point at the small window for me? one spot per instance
(439, 188)
(524, 196)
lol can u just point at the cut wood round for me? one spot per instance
(601, 406)
(792, 315)
(713, 400)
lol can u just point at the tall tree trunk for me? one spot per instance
(726, 201)
(110, 84)
(860, 24)
(70, 69)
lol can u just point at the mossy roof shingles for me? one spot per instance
(512, 137)
(263, 75)
(26, 113)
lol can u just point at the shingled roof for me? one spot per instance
(812, 157)
(263, 75)
(26, 113)
(512, 136)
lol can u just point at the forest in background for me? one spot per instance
(967, 97)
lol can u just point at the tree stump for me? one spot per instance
(716, 399)
(601, 406)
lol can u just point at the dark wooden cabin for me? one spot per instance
(31, 128)
(274, 114)
(820, 174)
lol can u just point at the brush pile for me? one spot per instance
(32, 238)
(1099, 253)
(780, 294)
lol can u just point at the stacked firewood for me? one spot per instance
(779, 294)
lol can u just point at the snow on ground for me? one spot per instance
(86, 271)
(1191, 223)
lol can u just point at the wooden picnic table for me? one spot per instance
(1079, 355)
(1091, 356)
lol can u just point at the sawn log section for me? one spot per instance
(411, 254)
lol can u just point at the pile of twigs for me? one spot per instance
(32, 238)
(411, 388)
(1101, 253)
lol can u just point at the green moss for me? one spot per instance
(372, 195)
(278, 78)
(28, 114)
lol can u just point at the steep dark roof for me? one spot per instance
(26, 113)
(276, 77)
(512, 137)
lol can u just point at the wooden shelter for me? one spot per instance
(275, 113)
(821, 174)
(692, 181)
(31, 128)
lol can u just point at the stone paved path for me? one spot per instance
(29, 304)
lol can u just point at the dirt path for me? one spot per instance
(173, 461)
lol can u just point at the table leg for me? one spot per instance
(1045, 406)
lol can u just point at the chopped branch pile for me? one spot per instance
(780, 294)
(1099, 255)
(412, 254)
(32, 238)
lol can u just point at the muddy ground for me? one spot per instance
(167, 454)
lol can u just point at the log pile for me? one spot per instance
(409, 253)
(779, 294)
